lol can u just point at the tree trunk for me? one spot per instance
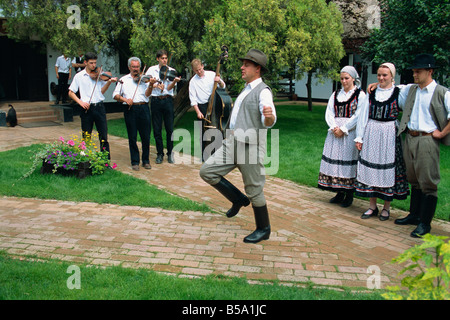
(309, 90)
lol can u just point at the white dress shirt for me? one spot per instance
(343, 96)
(128, 89)
(83, 82)
(200, 88)
(420, 117)
(265, 100)
(154, 72)
(63, 64)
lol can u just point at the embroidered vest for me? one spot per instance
(346, 109)
(384, 111)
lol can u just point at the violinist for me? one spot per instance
(200, 89)
(91, 88)
(134, 93)
(162, 105)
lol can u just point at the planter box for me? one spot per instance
(81, 172)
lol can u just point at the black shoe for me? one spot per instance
(426, 216)
(159, 159)
(348, 199)
(338, 198)
(409, 219)
(415, 205)
(382, 217)
(237, 198)
(262, 231)
(421, 230)
(170, 158)
(373, 214)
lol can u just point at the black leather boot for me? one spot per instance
(338, 198)
(426, 216)
(237, 198)
(348, 199)
(262, 231)
(414, 209)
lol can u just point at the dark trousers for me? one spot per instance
(62, 87)
(96, 114)
(137, 119)
(162, 111)
(203, 108)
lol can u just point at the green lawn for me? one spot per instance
(112, 187)
(32, 280)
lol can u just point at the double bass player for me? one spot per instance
(200, 89)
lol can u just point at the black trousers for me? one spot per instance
(137, 119)
(63, 81)
(96, 115)
(162, 111)
(203, 107)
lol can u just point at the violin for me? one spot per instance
(169, 74)
(98, 74)
(145, 78)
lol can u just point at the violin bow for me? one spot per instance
(139, 82)
(93, 90)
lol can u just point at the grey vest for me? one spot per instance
(437, 110)
(248, 127)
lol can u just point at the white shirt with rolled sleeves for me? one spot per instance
(200, 88)
(420, 117)
(265, 100)
(83, 82)
(128, 89)
(154, 72)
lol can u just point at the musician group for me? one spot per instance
(253, 110)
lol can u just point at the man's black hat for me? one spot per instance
(424, 61)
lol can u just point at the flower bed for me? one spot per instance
(78, 156)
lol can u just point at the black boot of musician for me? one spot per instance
(426, 216)
(348, 199)
(237, 198)
(414, 209)
(262, 231)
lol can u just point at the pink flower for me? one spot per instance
(114, 166)
(61, 139)
(71, 143)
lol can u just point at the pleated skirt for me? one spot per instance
(339, 161)
(381, 171)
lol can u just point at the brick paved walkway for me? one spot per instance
(312, 240)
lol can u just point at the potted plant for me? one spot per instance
(77, 156)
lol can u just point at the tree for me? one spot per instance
(410, 27)
(302, 34)
(93, 25)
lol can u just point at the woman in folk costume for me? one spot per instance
(340, 157)
(381, 168)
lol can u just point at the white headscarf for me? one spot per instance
(353, 73)
(391, 67)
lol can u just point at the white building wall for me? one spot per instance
(108, 63)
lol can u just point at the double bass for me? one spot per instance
(219, 104)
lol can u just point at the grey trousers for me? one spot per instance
(247, 158)
(422, 163)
